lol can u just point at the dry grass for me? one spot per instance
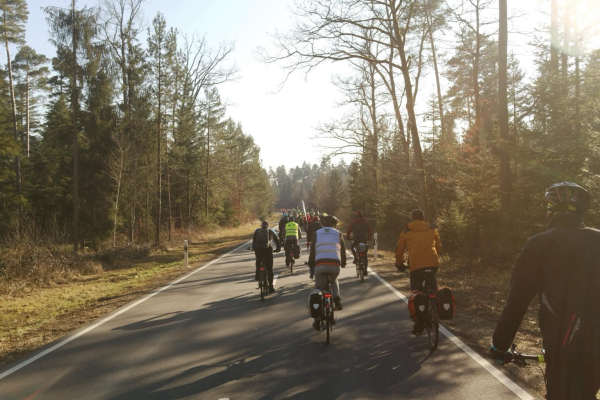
(61, 293)
(480, 292)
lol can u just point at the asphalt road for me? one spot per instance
(208, 336)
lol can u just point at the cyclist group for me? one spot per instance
(560, 265)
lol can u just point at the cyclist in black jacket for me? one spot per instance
(561, 266)
(263, 249)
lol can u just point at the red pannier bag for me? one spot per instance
(446, 304)
(417, 303)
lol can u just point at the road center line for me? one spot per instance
(105, 320)
(516, 389)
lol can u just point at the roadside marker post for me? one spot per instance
(375, 246)
(185, 253)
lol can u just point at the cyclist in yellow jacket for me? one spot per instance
(292, 234)
(422, 241)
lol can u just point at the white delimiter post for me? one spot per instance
(185, 253)
(375, 247)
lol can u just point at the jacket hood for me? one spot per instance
(418, 226)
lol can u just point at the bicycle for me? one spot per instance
(289, 258)
(263, 283)
(328, 319)
(432, 321)
(361, 263)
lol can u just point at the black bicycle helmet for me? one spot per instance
(567, 196)
(330, 220)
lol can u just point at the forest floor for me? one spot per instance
(480, 292)
(36, 315)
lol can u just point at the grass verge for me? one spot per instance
(480, 292)
(36, 315)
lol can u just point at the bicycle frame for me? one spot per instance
(328, 310)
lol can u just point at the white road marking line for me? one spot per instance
(516, 389)
(275, 279)
(105, 320)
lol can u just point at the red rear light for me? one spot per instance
(262, 268)
(327, 295)
(361, 254)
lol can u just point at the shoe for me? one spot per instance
(417, 329)
(271, 290)
(338, 303)
(317, 326)
(312, 276)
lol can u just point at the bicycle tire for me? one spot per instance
(433, 326)
(327, 326)
(361, 270)
(292, 262)
(357, 271)
(262, 286)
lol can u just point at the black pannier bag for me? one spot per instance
(417, 304)
(296, 251)
(446, 304)
(315, 303)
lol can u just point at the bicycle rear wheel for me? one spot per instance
(361, 270)
(328, 325)
(432, 325)
(292, 265)
(263, 290)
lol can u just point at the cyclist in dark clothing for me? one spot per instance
(561, 266)
(360, 232)
(282, 222)
(312, 228)
(263, 249)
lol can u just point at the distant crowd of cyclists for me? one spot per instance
(560, 265)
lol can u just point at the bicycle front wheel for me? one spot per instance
(433, 325)
(263, 287)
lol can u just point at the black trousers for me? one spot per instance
(267, 256)
(417, 279)
(289, 243)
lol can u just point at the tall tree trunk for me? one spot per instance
(27, 110)
(410, 108)
(477, 96)
(503, 113)
(375, 137)
(158, 155)
(13, 106)
(75, 131)
(437, 81)
(207, 161)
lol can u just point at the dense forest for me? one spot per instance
(122, 137)
(477, 151)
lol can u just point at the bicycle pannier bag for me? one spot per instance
(362, 248)
(296, 251)
(315, 303)
(417, 304)
(262, 239)
(446, 304)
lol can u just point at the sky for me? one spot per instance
(282, 121)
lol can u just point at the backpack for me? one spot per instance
(262, 240)
(446, 303)
(417, 304)
(315, 303)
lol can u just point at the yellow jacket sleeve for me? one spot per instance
(400, 246)
(438, 243)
